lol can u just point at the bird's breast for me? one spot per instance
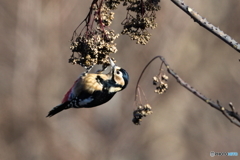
(92, 82)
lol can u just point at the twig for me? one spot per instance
(136, 89)
(205, 24)
(232, 114)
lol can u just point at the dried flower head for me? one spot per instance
(160, 82)
(141, 15)
(96, 41)
(112, 4)
(160, 89)
(94, 44)
(93, 49)
(140, 112)
(104, 16)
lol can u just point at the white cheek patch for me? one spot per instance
(114, 89)
(119, 80)
(85, 101)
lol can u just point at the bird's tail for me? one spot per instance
(58, 109)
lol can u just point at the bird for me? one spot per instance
(93, 89)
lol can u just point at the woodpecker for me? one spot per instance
(93, 89)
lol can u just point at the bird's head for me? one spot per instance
(119, 76)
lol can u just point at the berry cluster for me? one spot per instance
(95, 42)
(141, 15)
(140, 112)
(140, 98)
(160, 82)
(112, 4)
(93, 49)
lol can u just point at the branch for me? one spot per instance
(205, 24)
(232, 114)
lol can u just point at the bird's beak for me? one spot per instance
(111, 63)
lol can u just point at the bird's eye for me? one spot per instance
(118, 72)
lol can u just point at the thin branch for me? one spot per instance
(87, 20)
(141, 77)
(205, 24)
(232, 114)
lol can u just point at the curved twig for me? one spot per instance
(232, 114)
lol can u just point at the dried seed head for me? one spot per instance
(164, 77)
(162, 88)
(136, 121)
(155, 80)
(140, 112)
(160, 82)
(112, 4)
(94, 48)
(96, 41)
(136, 25)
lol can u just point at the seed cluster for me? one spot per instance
(112, 4)
(141, 15)
(95, 43)
(160, 82)
(104, 16)
(93, 49)
(140, 112)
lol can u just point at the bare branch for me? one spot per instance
(232, 115)
(205, 24)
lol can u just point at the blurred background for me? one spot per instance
(35, 74)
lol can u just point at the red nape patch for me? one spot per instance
(65, 98)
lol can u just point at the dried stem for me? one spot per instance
(137, 86)
(232, 114)
(205, 24)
